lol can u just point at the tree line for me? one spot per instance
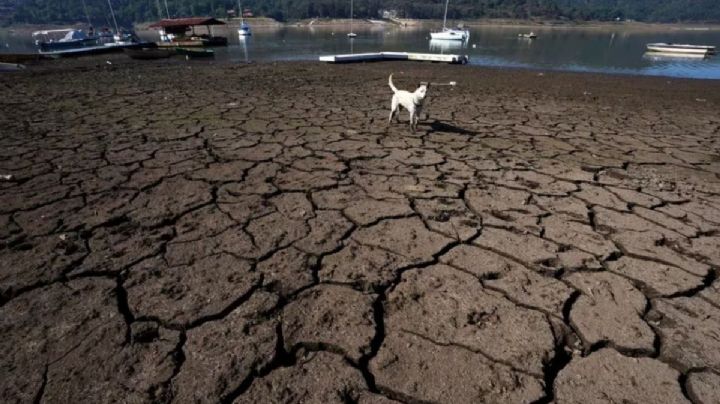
(129, 11)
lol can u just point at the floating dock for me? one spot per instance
(381, 56)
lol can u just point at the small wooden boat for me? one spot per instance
(149, 53)
(681, 48)
(531, 35)
(191, 53)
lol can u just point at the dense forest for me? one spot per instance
(127, 11)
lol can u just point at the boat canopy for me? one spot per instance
(179, 26)
(53, 31)
(185, 22)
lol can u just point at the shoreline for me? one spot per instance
(43, 64)
(265, 22)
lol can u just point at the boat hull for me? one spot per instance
(448, 34)
(58, 46)
(95, 50)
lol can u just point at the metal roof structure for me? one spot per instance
(185, 22)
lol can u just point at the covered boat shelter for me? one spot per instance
(178, 27)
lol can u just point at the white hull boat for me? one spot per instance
(681, 49)
(244, 29)
(450, 34)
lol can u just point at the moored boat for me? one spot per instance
(531, 35)
(681, 48)
(60, 39)
(244, 29)
(450, 34)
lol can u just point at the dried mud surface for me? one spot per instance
(202, 233)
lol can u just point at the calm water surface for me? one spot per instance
(605, 50)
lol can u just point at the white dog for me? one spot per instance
(413, 102)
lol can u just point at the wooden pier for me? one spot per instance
(382, 56)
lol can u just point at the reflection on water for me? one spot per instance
(445, 46)
(244, 43)
(611, 50)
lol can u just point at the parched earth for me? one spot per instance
(250, 234)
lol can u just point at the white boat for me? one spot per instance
(244, 29)
(681, 48)
(351, 34)
(531, 35)
(48, 41)
(450, 34)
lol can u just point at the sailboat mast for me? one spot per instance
(87, 15)
(445, 17)
(166, 10)
(351, 15)
(112, 12)
(240, 11)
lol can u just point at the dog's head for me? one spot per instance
(422, 90)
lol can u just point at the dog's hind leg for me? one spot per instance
(393, 110)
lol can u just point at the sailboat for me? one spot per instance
(351, 34)
(450, 34)
(244, 29)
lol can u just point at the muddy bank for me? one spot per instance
(258, 233)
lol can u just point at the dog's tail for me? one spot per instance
(395, 90)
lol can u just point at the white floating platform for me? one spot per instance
(375, 57)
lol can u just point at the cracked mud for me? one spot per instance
(250, 234)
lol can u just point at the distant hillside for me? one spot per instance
(66, 11)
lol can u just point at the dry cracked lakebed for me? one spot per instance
(258, 234)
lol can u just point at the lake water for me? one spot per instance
(618, 50)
